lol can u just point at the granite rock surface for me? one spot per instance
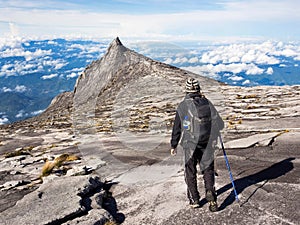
(101, 152)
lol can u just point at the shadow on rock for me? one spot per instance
(110, 204)
(272, 172)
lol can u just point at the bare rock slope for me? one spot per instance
(101, 152)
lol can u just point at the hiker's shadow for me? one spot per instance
(272, 172)
(109, 203)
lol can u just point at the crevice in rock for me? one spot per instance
(96, 196)
(94, 188)
(68, 218)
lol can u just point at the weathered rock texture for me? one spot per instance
(108, 142)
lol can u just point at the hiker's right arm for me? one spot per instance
(176, 132)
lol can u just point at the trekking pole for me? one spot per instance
(228, 167)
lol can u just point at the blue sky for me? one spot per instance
(152, 19)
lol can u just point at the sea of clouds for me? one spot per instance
(243, 58)
(57, 59)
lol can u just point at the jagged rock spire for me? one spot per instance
(115, 43)
(115, 46)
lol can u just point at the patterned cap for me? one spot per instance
(192, 85)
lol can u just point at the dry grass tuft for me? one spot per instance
(56, 163)
(21, 151)
(110, 223)
(238, 96)
(47, 168)
(72, 158)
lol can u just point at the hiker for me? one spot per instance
(196, 128)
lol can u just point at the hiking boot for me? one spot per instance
(213, 206)
(195, 204)
(212, 201)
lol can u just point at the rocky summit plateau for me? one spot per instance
(100, 154)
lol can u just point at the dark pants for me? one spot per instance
(191, 175)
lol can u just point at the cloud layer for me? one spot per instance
(248, 58)
(19, 56)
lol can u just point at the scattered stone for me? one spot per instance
(15, 172)
(260, 139)
(79, 170)
(12, 184)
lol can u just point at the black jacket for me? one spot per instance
(177, 131)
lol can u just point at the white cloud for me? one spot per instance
(3, 120)
(254, 70)
(236, 78)
(88, 48)
(168, 61)
(60, 65)
(78, 69)
(11, 42)
(13, 48)
(20, 88)
(242, 53)
(19, 51)
(297, 58)
(245, 58)
(20, 68)
(20, 114)
(270, 71)
(246, 82)
(56, 63)
(238, 68)
(51, 42)
(180, 60)
(29, 66)
(37, 112)
(288, 50)
(193, 60)
(206, 70)
(51, 76)
(73, 75)
(6, 89)
(7, 67)
(235, 68)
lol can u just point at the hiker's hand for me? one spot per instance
(173, 151)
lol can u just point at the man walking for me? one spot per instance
(196, 128)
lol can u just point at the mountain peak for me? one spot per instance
(116, 46)
(116, 42)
